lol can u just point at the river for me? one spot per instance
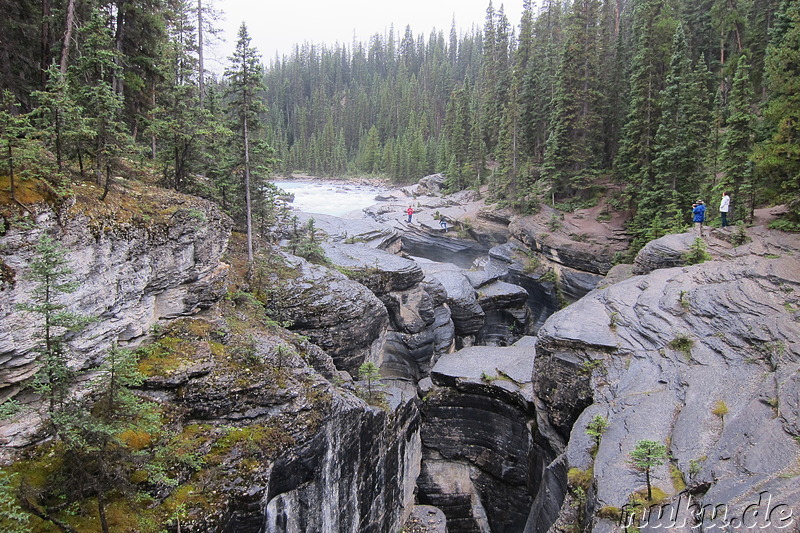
(331, 198)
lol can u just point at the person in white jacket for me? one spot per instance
(724, 206)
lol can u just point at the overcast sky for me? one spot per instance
(275, 26)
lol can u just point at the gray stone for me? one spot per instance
(703, 358)
(380, 271)
(665, 252)
(349, 230)
(477, 438)
(339, 315)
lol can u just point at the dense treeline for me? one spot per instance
(669, 99)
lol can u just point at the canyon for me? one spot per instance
(497, 340)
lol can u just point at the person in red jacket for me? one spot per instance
(410, 212)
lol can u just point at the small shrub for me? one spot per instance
(740, 236)
(488, 378)
(783, 224)
(613, 320)
(682, 343)
(577, 478)
(695, 466)
(697, 253)
(372, 374)
(684, 300)
(549, 277)
(720, 409)
(596, 427)
(554, 223)
(532, 264)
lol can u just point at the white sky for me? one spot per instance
(275, 26)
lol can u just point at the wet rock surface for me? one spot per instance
(699, 358)
(477, 436)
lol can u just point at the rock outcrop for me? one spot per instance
(350, 230)
(420, 323)
(571, 240)
(704, 359)
(358, 475)
(129, 276)
(339, 315)
(477, 436)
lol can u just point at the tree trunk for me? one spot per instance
(67, 36)
(101, 509)
(247, 192)
(44, 42)
(59, 161)
(108, 182)
(116, 83)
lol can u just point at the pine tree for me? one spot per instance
(52, 276)
(647, 455)
(13, 128)
(678, 148)
(91, 76)
(574, 147)
(634, 161)
(737, 143)
(245, 78)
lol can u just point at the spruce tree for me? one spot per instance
(52, 277)
(91, 76)
(14, 126)
(245, 79)
(737, 144)
(574, 147)
(678, 149)
(647, 455)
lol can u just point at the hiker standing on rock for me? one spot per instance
(699, 211)
(724, 205)
(410, 212)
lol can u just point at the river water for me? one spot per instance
(330, 198)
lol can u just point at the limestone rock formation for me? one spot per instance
(420, 325)
(703, 358)
(361, 230)
(339, 315)
(130, 275)
(571, 240)
(477, 436)
(357, 475)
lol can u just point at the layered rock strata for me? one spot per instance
(129, 276)
(704, 359)
(477, 435)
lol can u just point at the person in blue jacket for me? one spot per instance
(699, 212)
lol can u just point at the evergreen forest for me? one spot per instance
(663, 100)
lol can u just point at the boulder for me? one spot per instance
(433, 184)
(665, 252)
